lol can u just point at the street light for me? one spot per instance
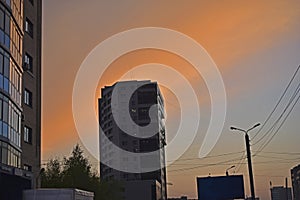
(227, 174)
(247, 140)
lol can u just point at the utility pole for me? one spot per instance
(250, 166)
(286, 189)
(247, 140)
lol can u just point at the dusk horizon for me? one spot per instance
(217, 65)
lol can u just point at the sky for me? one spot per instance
(254, 44)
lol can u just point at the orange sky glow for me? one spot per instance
(253, 43)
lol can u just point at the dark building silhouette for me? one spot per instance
(295, 174)
(20, 96)
(147, 95)
(281, 193)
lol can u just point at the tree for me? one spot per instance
(76, 172)
(52, 176)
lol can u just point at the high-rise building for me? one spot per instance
(32, 59)
(20, 96)
(139, 104)
(295, 174)
(281, 193)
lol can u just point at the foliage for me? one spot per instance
(76, 172)
(52, 177)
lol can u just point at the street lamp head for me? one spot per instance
(232, 128)
(256, 125)
(233, 166)
(227, 174)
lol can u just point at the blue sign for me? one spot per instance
(221, 188)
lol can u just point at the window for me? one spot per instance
(29, 27)
(147, 97)
(28, 62)
(143, 113)
(8, 2)
(4, 29)
(3, 156)
(27, 168)
(28, 97)
(7, 25)
(124, 143)
(27, 134)
(1, 19)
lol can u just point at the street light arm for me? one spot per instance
(233, 166)
(227, 174)
(256, 125)
(245, 131)
(248, 157)
(237, 129)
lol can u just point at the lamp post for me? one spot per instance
(227, 174)
(247, 140)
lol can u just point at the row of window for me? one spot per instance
(107, 155)
(106, 110)
(108, 95)
(10, 36)
(15, 84)
(4, 28)
(16, 8)
(147, 97)
(4, 71)
(9, 155)
(107, 125)
(106, 103)
(10, 121)
(16, 44)
(10, 77)
(11, 80)
(107, 117)
(17, 11)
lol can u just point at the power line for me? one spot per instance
(281, 153)
(288, 159)
(240, 163)
(266, 143)
(204, 165)
(280, 99)
(239, 152)
(206, 157)
(281, 115)
(231, 162)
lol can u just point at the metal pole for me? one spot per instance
(286, 189)
(248, 156)
(250, 166)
